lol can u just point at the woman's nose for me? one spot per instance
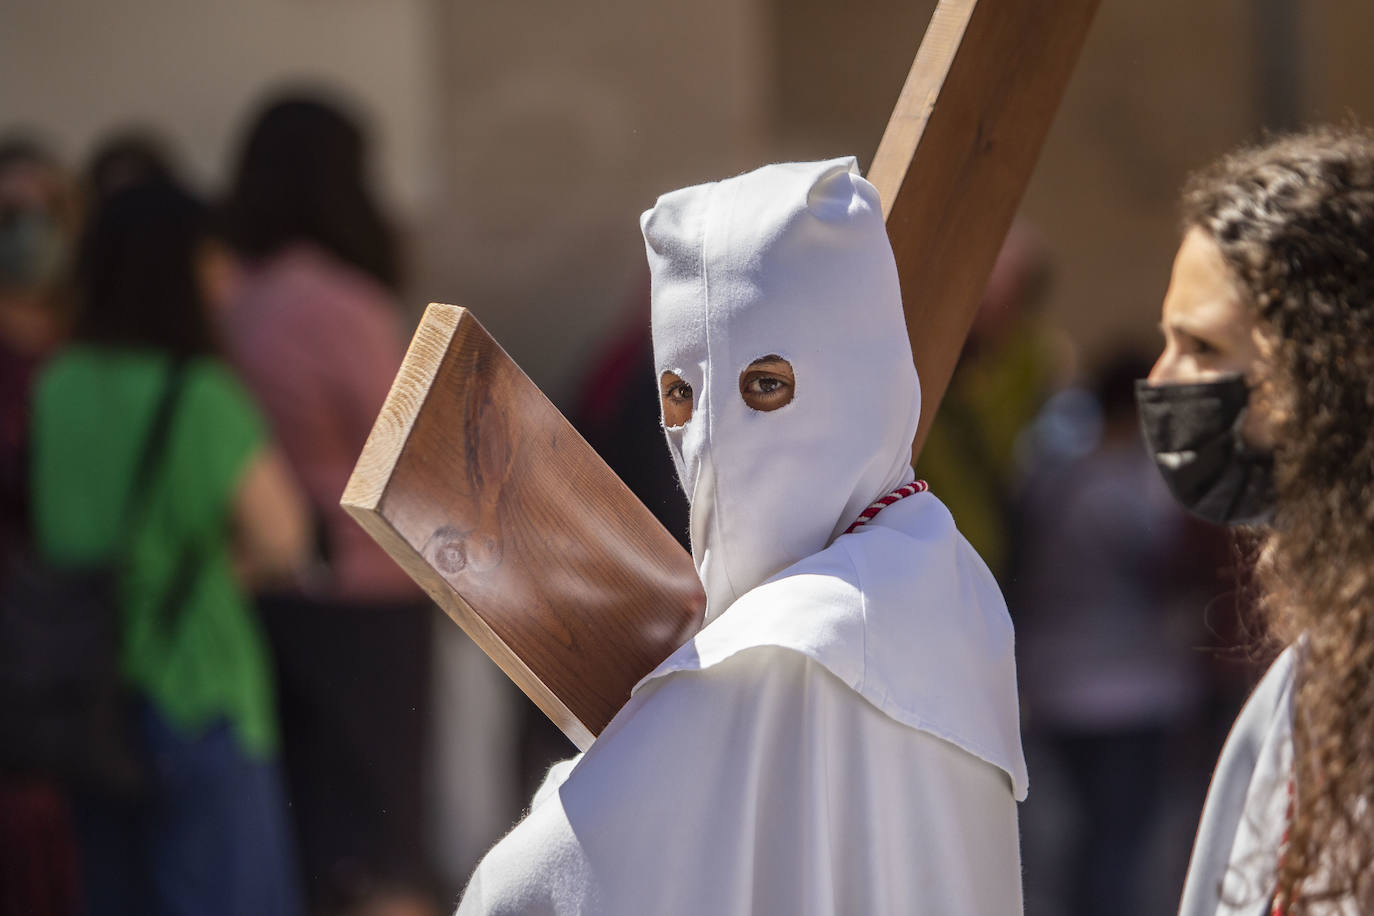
(1164, 370)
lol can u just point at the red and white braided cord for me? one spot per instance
(902, 492)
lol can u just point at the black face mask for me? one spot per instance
(1193, 432)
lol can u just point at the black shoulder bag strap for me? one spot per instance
(154, 447)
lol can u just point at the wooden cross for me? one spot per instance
(483, 492)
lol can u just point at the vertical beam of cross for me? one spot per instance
(957, 155)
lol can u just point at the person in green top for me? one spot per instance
(219, 515)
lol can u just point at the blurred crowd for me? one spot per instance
(187, 382)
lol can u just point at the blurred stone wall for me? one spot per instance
(561, 123)
(72, 70)
(519, 141)
(1161, 89)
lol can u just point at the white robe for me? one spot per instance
(761, 785)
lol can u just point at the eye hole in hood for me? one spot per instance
(768, 383)
(675, 396)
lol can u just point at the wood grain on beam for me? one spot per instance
(487, 497)
(957, 155)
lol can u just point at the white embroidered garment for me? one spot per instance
(842, 736)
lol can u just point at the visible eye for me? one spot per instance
(676, 395)
(1188, 342)
(1201, 347)
(764, 384)
(768, 383)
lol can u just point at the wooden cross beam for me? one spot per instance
(480, 489)
(488, 498)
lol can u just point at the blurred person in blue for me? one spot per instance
(1107, 597)
(313, 325)
(220, 515)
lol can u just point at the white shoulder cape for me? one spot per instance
(846, 744)
(903, 611)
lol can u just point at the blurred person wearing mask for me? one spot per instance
(1258, 415)
(38, 221)
(209, 834)
(313, 325)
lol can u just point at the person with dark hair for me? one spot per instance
(130, 157)
(131, 299)
(302, 178)
(1258, 414)
(218, 515)
(313, 327)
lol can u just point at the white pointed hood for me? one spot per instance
(793, 260)
(790, 260)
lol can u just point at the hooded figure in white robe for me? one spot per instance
(842, 735)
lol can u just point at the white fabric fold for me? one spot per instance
(906, 614)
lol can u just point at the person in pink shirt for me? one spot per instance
(319, 341)
(312, 323)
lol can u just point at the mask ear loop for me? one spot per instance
(1241, 452)
(1249, 458)
(1240, 490)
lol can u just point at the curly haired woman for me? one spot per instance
(1259, 413)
